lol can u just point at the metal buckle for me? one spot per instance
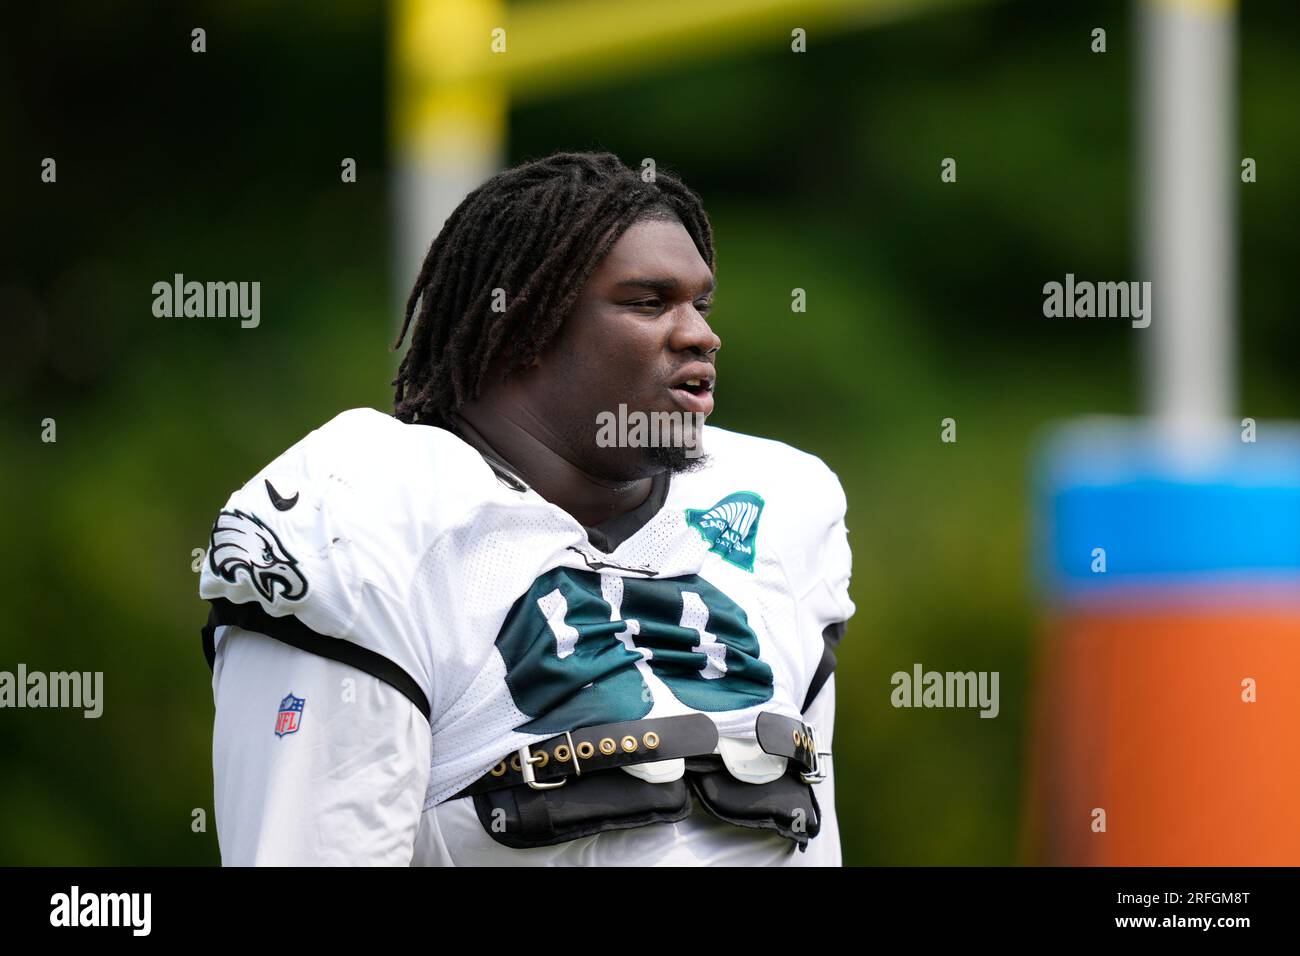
(526, 761)
(816, 774)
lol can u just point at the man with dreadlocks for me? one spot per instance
(478, 631)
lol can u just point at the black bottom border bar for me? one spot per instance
(338, 904)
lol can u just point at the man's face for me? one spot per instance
(638, 337)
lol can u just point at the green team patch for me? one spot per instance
(730, 527)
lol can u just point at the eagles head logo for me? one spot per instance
(240, 540)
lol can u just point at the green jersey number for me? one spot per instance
(572, 645)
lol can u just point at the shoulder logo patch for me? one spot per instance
(289, 718)
(241, 541)
(730, 527)
(281, 503)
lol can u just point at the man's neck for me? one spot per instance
(519, 440)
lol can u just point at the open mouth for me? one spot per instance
(696, 386)
(694, 393)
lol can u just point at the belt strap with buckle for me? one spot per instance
(550, 763)
(787, 737)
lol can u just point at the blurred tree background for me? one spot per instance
(820, 171)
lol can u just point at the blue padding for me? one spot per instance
(1224, 512)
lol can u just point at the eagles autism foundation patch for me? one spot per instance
(730, 527)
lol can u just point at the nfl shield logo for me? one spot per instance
(290, 715)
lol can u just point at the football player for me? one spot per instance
(489, 629)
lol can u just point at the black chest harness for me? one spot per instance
(571, 786)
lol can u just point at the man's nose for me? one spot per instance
(692, 332)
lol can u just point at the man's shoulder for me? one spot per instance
(368, 442)
(325, 542)
(800, 510)
(364, 461)
(776, 464)
(353, 504)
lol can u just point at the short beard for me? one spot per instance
(678, 451)
(676, 459)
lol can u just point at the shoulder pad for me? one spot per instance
(331, 532)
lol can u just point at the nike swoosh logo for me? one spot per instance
(281, 504)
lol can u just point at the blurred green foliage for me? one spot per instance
(820, 171)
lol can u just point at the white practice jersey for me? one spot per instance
(495, 623)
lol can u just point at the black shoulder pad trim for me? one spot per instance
(289, 630)
(831, 638)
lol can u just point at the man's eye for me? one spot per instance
(703, 307)
(653, 304)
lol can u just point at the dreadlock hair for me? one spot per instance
(537, 231)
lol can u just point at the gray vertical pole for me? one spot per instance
(1186, 138)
